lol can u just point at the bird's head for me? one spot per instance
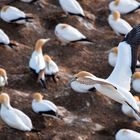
(116, 15)
(47, 58)
(40, 43)
(114, 50)
(137, 98)
(37, 97)
(4, 98)
(136, 75)
(116, 2)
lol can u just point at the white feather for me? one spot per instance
(136, 85)
(4, 38)
(37, 61)
(51, 68)
(71, 6)
(15, 118)
(68, 33)
(126, 134)
(43, 105)
(112, 59)
(12, 13)
(119, 26)
(124, 6)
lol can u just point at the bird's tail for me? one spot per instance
(83, 40)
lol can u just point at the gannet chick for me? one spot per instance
(117, 85)
(3, 78)
(124, 6)
(43, 106)
(112, 56)
(51, 69)
(79, 85)
(127, 134)
(5, 41)
(12, 14)
(128, 111)
(72, 7)
(66, 34)
(12, 116)
(37, 63)
(136, 82)
(120, 26)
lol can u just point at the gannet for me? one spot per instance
(12, 14)
(12, 116)
(119, 25)
(124, 6)
(117, 85)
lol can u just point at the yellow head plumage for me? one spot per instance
(136, 75)
(40, 43)
(83, 74)
(47, 58)
(3, 72)
(4, 98)
(37, 97)
(116, 15)
(116, 2)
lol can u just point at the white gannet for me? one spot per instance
(66, 34)
(112, 56)
(37, 63)
(43, 106)
(127, 134)
(3, 78)
(51, 69)
(129, 112)
(72, 7)
(12, 116)
(124, 6)
(117, 85)
(80, 86)
(5, 41)
(12, 14)
(136, 82)
(119, 25)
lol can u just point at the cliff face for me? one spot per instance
(84, 111)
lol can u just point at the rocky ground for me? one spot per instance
(89, 116)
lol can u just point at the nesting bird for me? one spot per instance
(129, 112)
(37, 63)
(112, 56)
(43, 106)
(119, 25)
(3, 78)
(136, 82)
(127, 134)
(124, 6)
(12, 116)
(72, 7)
(78, 85)
(66, 34)
(117, 85)
(5, 41)
(51, 69)
(12, 14)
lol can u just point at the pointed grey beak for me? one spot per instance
(71, 80)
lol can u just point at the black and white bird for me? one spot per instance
(43, 106)
(12, 116)
(12, 14)
(117, 85)
(51, 69)
(124, 6)
(37, 63)
(72, 7)
(3, 78)
(119, 25)
(127, 134)
(66, 34)
(5, 41)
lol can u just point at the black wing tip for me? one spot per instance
(35, 130)
(133, 37)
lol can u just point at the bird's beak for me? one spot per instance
(71, 80)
